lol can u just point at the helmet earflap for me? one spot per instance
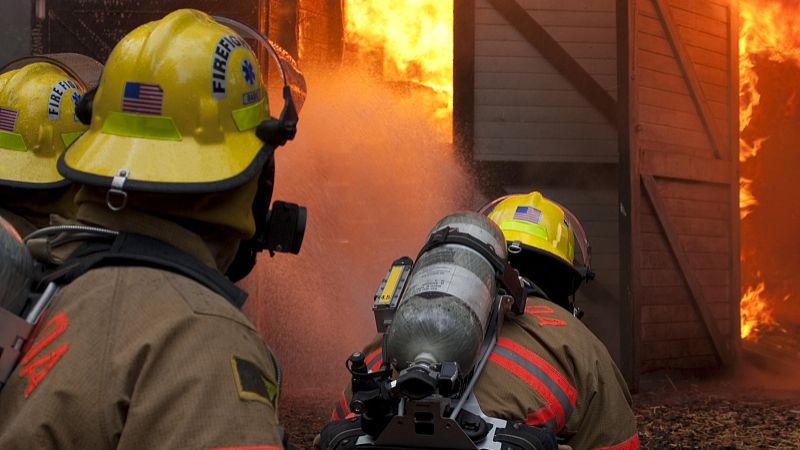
(83, 110)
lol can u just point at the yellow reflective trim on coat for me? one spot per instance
(12, 141)
(141, 126)
(525, 227)
(69, 138)
(248, 117)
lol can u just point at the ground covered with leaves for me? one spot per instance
(749, 410)
(737, 413)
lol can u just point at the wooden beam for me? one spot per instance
(564, 63)
(335, 48)
(629, 195)
(721, 346)
(693, 82)
(684, 167)
(733, 136)
(283, 24)
(464, 77)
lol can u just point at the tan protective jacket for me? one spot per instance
(141, 358)
(549, 369)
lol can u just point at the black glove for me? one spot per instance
(519, 436)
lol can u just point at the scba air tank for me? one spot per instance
(447, 302)
(16, 269)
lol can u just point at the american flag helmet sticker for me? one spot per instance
(528, 214)
(142, 98)
(8, 119)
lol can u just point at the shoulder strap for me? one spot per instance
(130, 249)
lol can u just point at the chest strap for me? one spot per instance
(136, 250)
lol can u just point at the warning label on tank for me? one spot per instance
(454, 281)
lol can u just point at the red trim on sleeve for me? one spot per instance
(341, 410)
(632, 443)
(374, 360)
(556, 410)
(344, 405)
(548, 369)
(540, 417)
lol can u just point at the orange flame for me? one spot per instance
(747, 200)
(755, 313)
(769, 30)
(415, 37)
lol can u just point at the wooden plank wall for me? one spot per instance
(15, 31)
(320, 33)
(590, 191)
(700, 211)
(594, 199)
(524, 109)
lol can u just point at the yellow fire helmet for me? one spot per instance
(37, 123)
(181, 108)
(541, 236)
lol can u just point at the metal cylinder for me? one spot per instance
(445, 308)
(16, 269)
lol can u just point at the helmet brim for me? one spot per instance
(97, 157)
(24, 169)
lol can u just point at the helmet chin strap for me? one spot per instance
(245, 258)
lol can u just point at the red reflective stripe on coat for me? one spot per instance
(548, 369)
(631, 443)
(540, 417)
(547, 395)
(374, 360)
(341, 410)
(343, 404)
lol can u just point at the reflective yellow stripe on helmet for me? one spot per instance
(69, 138)
(525, 227)
(141, 126)
(12, 141)
(248, 117)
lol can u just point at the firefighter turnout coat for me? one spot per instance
(142, 358)
(549, 369)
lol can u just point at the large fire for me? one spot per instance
(414, 39)
(769, 34)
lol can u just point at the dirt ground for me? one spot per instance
(692, 413)
(749, 410)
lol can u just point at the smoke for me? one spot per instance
(376, 175)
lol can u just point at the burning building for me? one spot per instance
(628, 112)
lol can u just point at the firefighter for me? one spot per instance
(143, 344)
(547, 368)
(37, 122)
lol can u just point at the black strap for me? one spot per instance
(531, 288)
(130, 249)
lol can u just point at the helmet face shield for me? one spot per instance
(292, 78)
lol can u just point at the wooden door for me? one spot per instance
(679, 184)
